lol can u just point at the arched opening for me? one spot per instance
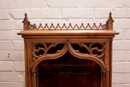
(68, 71)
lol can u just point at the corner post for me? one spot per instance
(26, 22)
(109, 22)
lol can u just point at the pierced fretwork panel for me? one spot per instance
(93, 49)
(41, 49)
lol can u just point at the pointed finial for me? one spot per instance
(110, 13)
(110, 22)
(26, 22)
(110, 17)
(25, 18)
(25, 14)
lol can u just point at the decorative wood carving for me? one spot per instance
(86, 42)
(107, 26)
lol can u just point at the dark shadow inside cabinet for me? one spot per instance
(68, 71)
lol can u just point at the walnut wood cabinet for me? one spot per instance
(68, 55)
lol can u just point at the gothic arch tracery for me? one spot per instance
(94, 51)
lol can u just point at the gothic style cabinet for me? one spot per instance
(67, 55)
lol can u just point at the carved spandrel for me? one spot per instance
(93, 49)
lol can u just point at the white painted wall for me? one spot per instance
(60, 11)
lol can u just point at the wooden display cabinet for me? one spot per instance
(68, 56)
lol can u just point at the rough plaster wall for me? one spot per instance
(60, 11)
